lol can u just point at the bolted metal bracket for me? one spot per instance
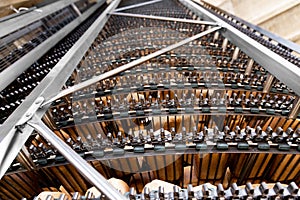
(29, 114)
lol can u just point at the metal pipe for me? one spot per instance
(79, 163)
(128, 66)
(164, 18)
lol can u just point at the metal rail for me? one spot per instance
(10, 73)
(137, 5)
(11, 139)
(128, 66)
(282, 69)
(286, 43)
(21, 21)
(79, 163)
(164, 18)
(12, 36)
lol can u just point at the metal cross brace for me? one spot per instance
(78, 162)
(165, 18)
(128, 66)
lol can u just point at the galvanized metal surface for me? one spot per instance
(79, 163)
(128, 66)
(10, 74)
(11, 140)
(282, 69)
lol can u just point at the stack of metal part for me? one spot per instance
(142, 90)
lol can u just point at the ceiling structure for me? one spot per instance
(276, 16)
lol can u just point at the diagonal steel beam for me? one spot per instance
(282, 69)
(164, 18)
(11, 140)
(287, 43)
(79, 163)
(137, 5)
(13, 24)
(127, 66)
(9, 74)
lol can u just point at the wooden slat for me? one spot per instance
(282, 166)
(8, 186)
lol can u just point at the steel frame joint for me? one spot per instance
(76, 160)
(30, 112)
(127, 66)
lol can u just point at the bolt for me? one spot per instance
(39, 100)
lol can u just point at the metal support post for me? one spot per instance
(79, 163)
(128, 66)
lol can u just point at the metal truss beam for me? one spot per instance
(13, 71)
(11, 139)
(282, 69)
(164, 18)
(128, 66)
(137, 5)
(79, 163)
(21, 21)
(286, 43)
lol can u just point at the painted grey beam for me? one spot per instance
(21, 21)
(9, 74)
(11, 141)
(282, 69)
(12, 36)
(8, 17)
(76, 9)
(287, 43)
(79, 163)
(127, 66)
(164, 18)
(137, 5)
